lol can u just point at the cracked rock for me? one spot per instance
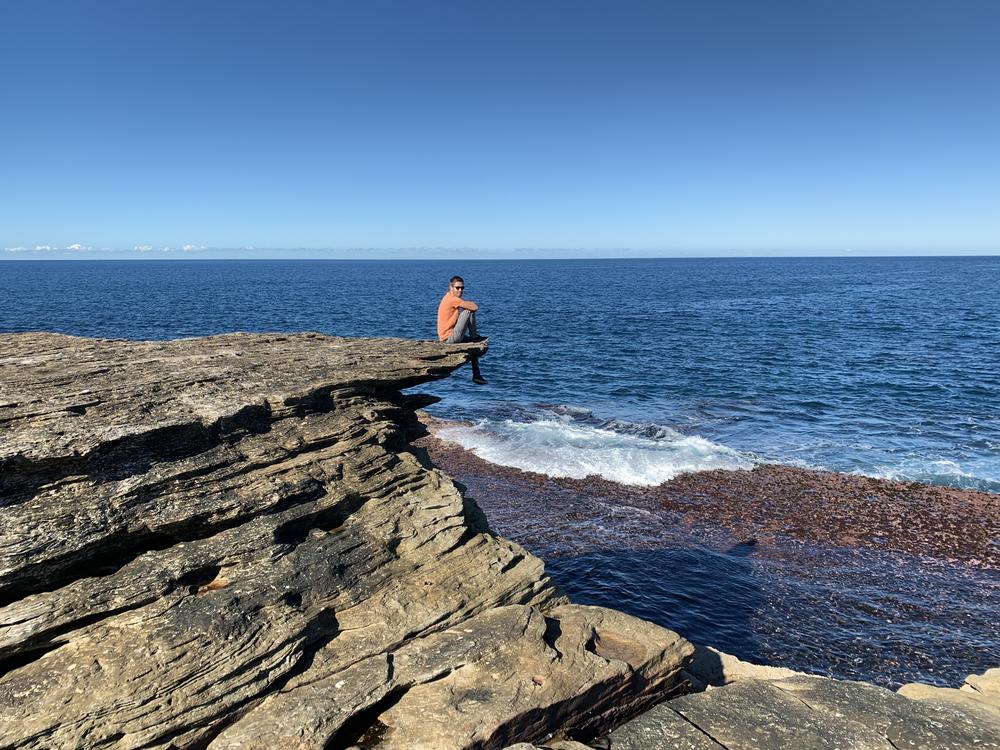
(228, 542)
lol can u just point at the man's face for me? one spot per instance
(457, 287)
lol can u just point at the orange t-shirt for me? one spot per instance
(448, 313)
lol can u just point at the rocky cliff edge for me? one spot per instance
(228, 542)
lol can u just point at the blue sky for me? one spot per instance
(711, 127)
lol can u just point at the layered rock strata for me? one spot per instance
(229, 543)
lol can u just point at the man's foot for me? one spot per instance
(479, 380)
(479, 339)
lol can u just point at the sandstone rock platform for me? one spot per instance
(750, 707)
(228, 543)
(231, 542)
(742, 706)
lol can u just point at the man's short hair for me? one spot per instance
(454, 279)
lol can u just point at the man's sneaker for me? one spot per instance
(478, 339)
(479, 380)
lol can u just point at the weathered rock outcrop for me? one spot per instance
(228, 543)
(978, 696)
(750, 707)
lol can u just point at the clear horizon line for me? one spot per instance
(278, 254)
(191, 249)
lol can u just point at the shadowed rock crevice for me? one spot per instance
(117, 459)
(552, 634)
(110, 553)
(131, 454)
(37, 622)
(27, 655)
(364, 728)
(293, 533)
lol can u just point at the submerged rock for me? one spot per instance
(228, 542)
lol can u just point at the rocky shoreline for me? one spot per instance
(818, 506)
(231, 542)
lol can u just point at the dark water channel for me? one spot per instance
(881, 616)
(848, 614)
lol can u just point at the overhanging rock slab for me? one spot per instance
(228, 542)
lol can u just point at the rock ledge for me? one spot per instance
(228, 543)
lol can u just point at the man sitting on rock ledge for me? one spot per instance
(457, 322)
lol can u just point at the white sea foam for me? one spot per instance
(935, 471)
(562, 448)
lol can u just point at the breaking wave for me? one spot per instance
(567, 442)
(942, 472)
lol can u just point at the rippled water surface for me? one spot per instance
(860, 614)
(846, 613)
(885, 366)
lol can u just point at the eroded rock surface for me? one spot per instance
(748, 707)
(979, 695)
(228, 543)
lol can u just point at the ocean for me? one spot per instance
(635, 370)
(638, 370)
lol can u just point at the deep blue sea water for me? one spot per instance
(632, 369)
(640, 369)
